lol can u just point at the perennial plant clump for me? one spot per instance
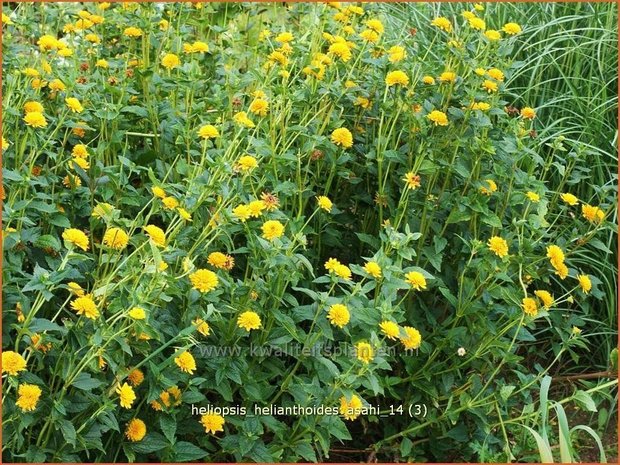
(235, 206)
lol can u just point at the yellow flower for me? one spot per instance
(369, 36)
(137, 313)
(397, 53)
(47, 42)
(511, 28)
(202, 326)
(272, 229)
(31, 106)
(217, 260)
(102, 209)
(342, 271)
(164, 24)
(442, 23)
(350, 409)
(561, 270)
(489, 188)
(576, 331)
(545, 297)
(412, 180)
(373, 269)
(396, 78)
(132, 32)
(341, 50)
(183, 213)
(28, 397)
(592, 214)
(259, 106)
(556, 256)
(498, 246)
(364, 352)
(530, 307)
(135, 377)
(375, 25)
(158, 192)
(242, 212)
(249, 320)
(170, 61)
(242, 119)
(468, 15)
(76, 237)
(492, 35)
(126, 395)
(204, 280)
(12, 363)
(324, 203)
(496, 74)
(85, 305)
(93, 38)
(482, 106)
(338, 315)
(428, 80)
(477, 23)
(528, 113)
(115, 238)
(200, 47)
(390, 329)
(362, 102)
(35, 119)
(5, 144)
(6, 19)
(585, 283)
(156, 234)
(439, 118)
(256, 208)
(72, 181)
(170, 203)
(74, 105)
(75, 289)
(81, 162)
(136, 430)
(101, 63)
(412, 338)
(533, 196)
(570, 199)
(80, 151)
(331, 264)
(447, 76)
(185, 361)
(208, 131)
(247, 163)
(416, 280)
(490, 86)
(342, 137)
(284, 37)
(212, 422)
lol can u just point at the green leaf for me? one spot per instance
(38, 325)
(566, 451)
(68, 431)
(85, 382)
(585, 400)
(596, 437)
(405, 447)
(169, 427)
(47, 241)
(186, 452)
(152, 442)
(543, 448)
(306, 451)
(505, 391)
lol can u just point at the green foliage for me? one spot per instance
(171, 268)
